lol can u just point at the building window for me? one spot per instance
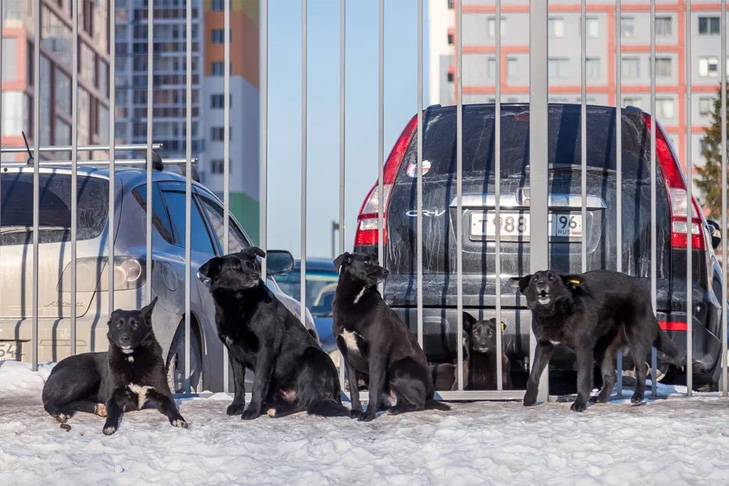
(593, 27)
(556, 27)
(627, 27)
(511, 67)
(450, 77)
(664, 26)
(491, 68)
(665, 108)
(557, 67)
(708, 66)
(630, 67)
(217, 134)
(218, 101)
(218, 5)
(450, 39)
(217, 68)
(706, 106)
(492, 27)
(709, 25)
(637, 102)
(219, 36)
(592, 68)
(664, 66)
(217, 166)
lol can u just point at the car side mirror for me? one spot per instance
(279, 261)
(715, 231)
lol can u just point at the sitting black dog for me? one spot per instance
(130, 376)
(595, 314)
(292, 373)
(480, 356)
(376, 344)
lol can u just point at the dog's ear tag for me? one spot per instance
(503, 326)
(574, 282)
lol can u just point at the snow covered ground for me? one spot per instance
(674, 441)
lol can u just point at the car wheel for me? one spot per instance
(176, 362)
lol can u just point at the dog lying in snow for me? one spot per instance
(376, 344)
(480, 355)
(130, 376)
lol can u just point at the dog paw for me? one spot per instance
(578, 406)
(61, 417)
(598, 399)
(100, 410)
(355, 413)
(109, 429)
(636, 398)
(529, 400)
(365, 417)
(180, 422)
(249, 414)
(235, 409)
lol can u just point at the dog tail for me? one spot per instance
(665, 345)
(436, 405)
(328, 407)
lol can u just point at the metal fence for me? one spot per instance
(539, 171)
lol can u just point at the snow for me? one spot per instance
(676, 441)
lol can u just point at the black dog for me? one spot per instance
(596, 314)
(376, 344)
(480, 356)
(130, 376)
(292, 374)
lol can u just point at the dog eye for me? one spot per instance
(134, 324)
(551, 277)
(119, 324)
(236, 266)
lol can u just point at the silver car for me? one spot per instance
(168, 265)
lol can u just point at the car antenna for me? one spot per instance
(31, 160)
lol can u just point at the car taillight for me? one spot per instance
(92, 274)
(677, 195)
(367, 221)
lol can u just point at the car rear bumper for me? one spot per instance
(440, 331)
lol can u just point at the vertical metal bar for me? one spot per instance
(188, 192)
(619, 165)
(419, 202)
(654, 129)
(74, 168)
(36, 176)
(150, 104)
(1, 111)
(112, 149)
(381, 134)
(226, 165)
(304, 135)
(342, 145)
(583, 133)
(497, 195)
(459, 191)
(264, 133)
(538, 145)
(689, 215)
(724, 385)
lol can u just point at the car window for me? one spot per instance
(200, 238)
(160, 217)
(236, 241)
(55, 208)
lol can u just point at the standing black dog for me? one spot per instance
(130, 376)
(376, 344)
(596, 314)
(292, 373)
(480, 356)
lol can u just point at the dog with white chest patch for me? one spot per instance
(377, 346)
(130, 376)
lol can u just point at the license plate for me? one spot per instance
(9, 350)
(515, 226)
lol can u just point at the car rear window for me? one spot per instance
(439, 141)
(16, 215)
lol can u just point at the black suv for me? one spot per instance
(567, 230)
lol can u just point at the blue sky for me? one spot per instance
(284, 229)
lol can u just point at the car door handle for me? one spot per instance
(205, 280)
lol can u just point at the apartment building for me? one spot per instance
(673, 67)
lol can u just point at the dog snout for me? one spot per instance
(385, 272)
(125, 340)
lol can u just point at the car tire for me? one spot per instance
(176, 361)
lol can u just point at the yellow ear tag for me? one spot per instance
(574, 282)
(503, 326)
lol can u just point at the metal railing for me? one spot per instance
(539, 172)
